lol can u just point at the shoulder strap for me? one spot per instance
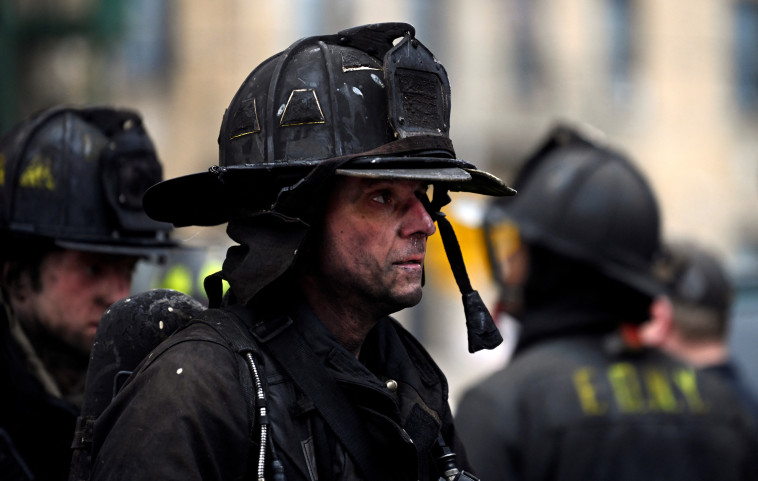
(241, 343)
(282, 342)
(233, 328)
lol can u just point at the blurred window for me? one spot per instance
(620, 20)
(315, 17)
(428, 18)
(146, 42)
(527, 56)
(746, 54)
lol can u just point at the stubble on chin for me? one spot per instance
(409, 296)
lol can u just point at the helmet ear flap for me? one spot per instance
(268, 245)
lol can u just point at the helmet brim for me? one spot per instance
(195, 199)
(451, 174)
(634, 275)
(204, 199)
(454, 178)
(209, 198)
(138, 249)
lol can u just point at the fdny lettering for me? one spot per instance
(633, 390)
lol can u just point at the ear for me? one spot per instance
(658, 329)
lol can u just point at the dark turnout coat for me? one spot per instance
(577, 408)
(35, 426)
(184, 415)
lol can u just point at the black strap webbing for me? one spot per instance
(481, 329)
(283, 343)
(241, 343)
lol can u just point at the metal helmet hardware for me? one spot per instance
(370, 101)
(76, 176)
(586, 202)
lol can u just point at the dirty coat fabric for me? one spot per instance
(184, 416)
(36, 425)
(576, 408)
(732, 375)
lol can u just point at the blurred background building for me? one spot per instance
(674, 83)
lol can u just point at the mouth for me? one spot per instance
(410, 263)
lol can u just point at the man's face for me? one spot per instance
(372, 249)
(75, 289)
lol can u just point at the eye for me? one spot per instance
(382, 197)
(94, 269)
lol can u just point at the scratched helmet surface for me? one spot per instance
(76, 176)
(372, 99)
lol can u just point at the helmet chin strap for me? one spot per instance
(482, 331)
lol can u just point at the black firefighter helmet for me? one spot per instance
(370, 101)
(587, 202)
(76, 176)
(352, 100)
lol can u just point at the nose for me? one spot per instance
(417, 220)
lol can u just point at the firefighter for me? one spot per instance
(72, 228)
(692, 320)
(582, 399)
(327, 152)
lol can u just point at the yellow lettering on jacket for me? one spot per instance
(634, 390)
(626, 387)
(686, 381)
(661, 394)
(586, 392)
